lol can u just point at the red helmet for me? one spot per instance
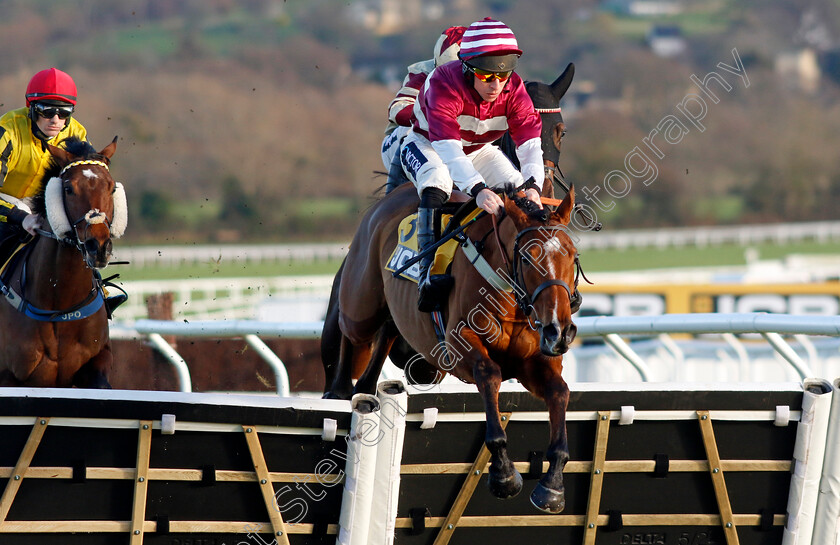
(448, 45)
(51, 84)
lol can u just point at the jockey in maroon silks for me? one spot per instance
(462, 108)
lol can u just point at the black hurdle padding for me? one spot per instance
(418, 520)
(320, 525)
(766, 519)
(614, 520)
(79, 471)
(162, 524)
(208, 474)
(535, 463)
(661, 465)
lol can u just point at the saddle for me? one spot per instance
(13, 239)
(452, 215)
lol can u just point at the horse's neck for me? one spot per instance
(497, 251)
(56, 274)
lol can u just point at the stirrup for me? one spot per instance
(112, 302)
(426, 297)
(433, 291)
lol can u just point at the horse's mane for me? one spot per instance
(527, 205)
(78, 148)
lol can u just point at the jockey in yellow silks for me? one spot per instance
(24, 135)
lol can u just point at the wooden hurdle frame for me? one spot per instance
(597, 468)
(275, 419)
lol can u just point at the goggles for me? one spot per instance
(486, 76)
(49, 111)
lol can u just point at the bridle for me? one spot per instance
(549, 165)
(57, 215)
(524, 301)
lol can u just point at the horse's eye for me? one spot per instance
(68, 189)
(562, 134)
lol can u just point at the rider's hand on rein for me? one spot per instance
(31, 223)
(534, 195)
(488, 201)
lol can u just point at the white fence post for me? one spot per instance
(357, 501)
(808, 454)
(827, 519)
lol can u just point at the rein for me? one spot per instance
(525, 301)
(514, 278)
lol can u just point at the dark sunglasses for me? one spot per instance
(48, 112)
(486, 76)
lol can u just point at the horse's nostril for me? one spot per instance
(91, 245)
(550, 332)
(570, 333)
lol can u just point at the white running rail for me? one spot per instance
(615, 331)
(675, 237)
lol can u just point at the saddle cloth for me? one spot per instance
(407, 247)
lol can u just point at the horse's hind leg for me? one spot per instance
(381, 347)
(351, 357)
(331, 334)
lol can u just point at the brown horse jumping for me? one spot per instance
(491, 334)
(546, 98)
(55, 331)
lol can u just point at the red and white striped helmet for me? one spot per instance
(448, 45)
(490, 45)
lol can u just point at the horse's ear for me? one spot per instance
(562, 83)
(564, 212)
(61, 155)
(519, 217)
(110, 148)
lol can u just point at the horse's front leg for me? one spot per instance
(503, 479)
(543, 378)
(94, 373)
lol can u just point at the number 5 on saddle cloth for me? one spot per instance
(406, 249)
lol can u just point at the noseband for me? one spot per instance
(525, 301)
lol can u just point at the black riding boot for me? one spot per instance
(425, 238)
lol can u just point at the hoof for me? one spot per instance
(507, 487)
(548, 500)
(333, 395)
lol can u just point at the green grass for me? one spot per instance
(592, 260)
(224, 270)
(727, 255)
